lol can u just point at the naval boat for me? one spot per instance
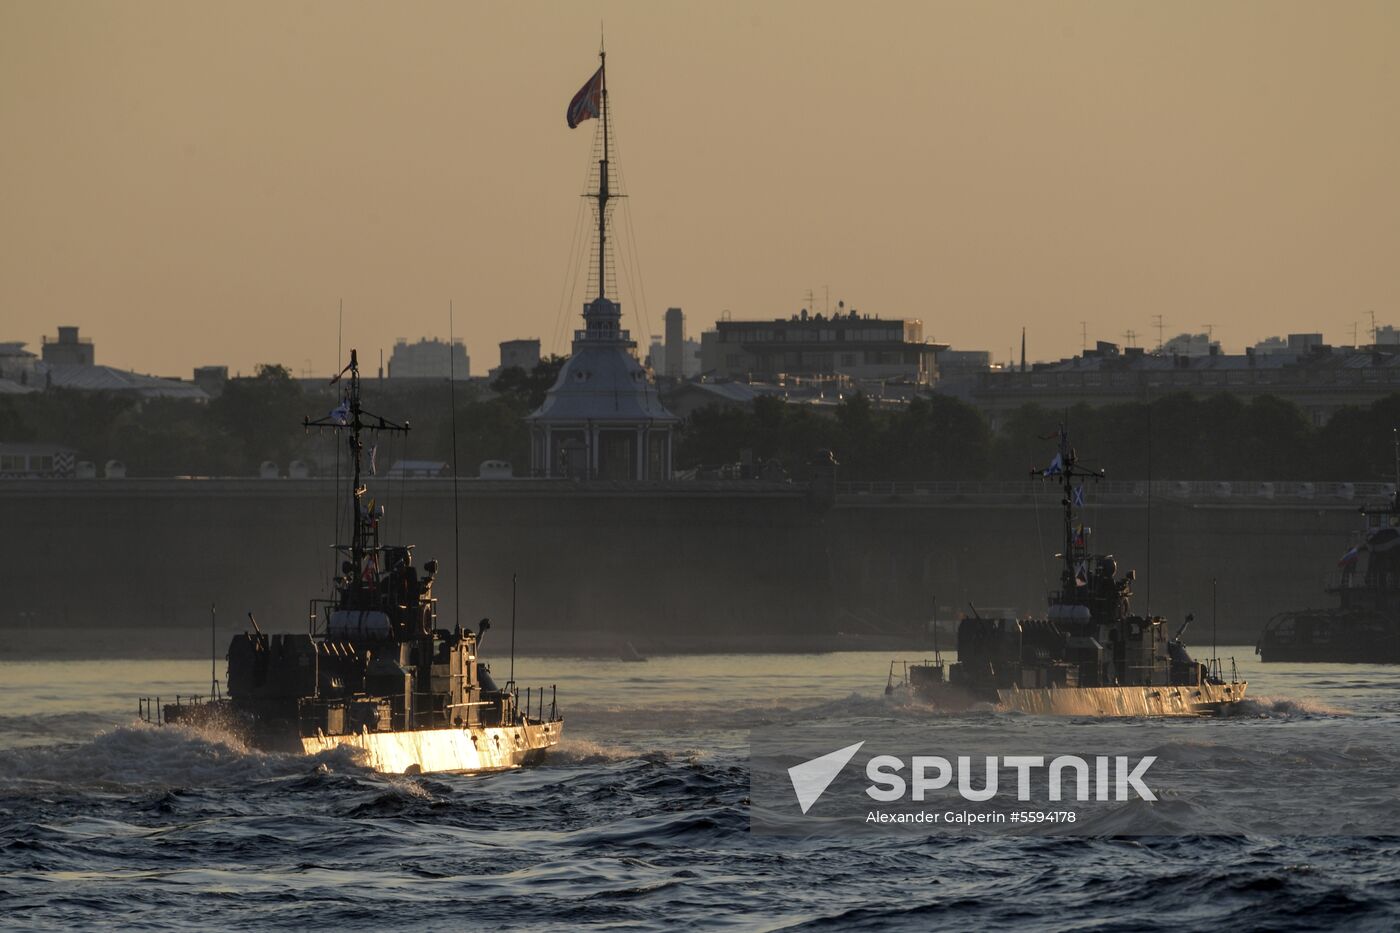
(1364, 626)
(374, 672)
(1091, 655)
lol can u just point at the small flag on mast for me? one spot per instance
(588, 102)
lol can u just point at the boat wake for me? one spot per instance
(1271, 707)
(571, 751)
(143, 757)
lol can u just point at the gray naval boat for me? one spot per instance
(1090, 656)
(374, 672)
(1364, 626)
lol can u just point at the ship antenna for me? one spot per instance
(335, 499)
(213, 652)
(937, 658)
(512, 627)
(1214, 642)
(1147, 597)
(456, 515)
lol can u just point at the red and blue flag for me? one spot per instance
(588, 102)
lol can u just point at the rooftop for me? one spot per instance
(111, 379)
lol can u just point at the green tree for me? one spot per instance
(530, 388)
(1358, 443)
(172, 437)
(261, 415)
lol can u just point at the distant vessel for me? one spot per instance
(1365, 625)
(1090, 656)
(374, 672)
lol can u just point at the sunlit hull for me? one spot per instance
(469, 750)
(1180, 700)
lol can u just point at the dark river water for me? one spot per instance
(642, 818)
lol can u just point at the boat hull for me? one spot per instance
(466, 750)
(1331, 638)
(1178, 700)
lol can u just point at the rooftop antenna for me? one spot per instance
(1130, 337)
(1157, 320)
(1023, 349)
(1083, 336)
(1210, 333)
(1375, 334)
(456, 513)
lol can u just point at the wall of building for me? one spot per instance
(69, 348)
(848, 344)
(429, 359)
(708, 568)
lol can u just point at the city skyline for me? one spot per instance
(206, 185)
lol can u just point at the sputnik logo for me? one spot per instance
(811, 778)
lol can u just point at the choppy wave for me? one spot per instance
(1278, 707)
(641, 819)
(572, 751)
(142, 756)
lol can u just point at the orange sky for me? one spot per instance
(197, 183)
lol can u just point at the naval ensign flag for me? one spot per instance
(587, 103)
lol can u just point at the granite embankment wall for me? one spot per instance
(681, 567)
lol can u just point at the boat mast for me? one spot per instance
(1067, 458)
(357, 539)
(1068, 467)
(603, 181)
(351, 417)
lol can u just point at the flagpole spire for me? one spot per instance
(603, 177)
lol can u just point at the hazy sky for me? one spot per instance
(195, 182)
